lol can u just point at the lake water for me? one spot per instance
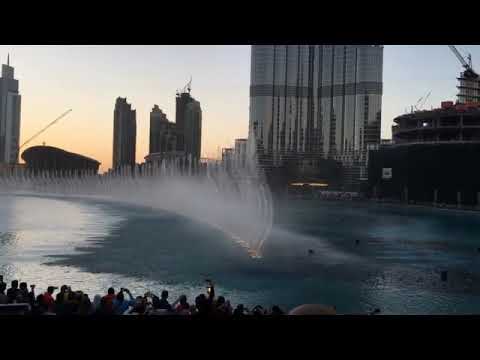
(92, 245)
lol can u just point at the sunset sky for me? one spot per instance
(88, 79)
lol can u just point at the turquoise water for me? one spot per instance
(396, 266)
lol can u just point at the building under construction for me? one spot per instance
(433, 155)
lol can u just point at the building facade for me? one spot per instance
(188, 119)
(124, 134)
(58, 161)
(10, 104)
(193, 130)
(163, 133)
(240, 153)
(228, 158)
(449, 123)
(316, 101)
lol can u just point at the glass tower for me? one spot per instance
(316, 101)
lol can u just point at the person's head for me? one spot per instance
(240, 308)
(164, 295)
(155, 302)
(51, 289)
(140, 305)
(86, 299)
(14, 284)
(64, 289)
(120, 296)
(183, 299)
(111, 291)
(200, 300)
(23, 286)
(220, 300)
(97, 300)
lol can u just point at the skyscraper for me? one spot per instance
(316, 101)
(10, 102)
(124, 134)
(163, 135)
(240, 153)
(193, 129)
(188, 119)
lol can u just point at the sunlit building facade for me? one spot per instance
(124, 134)
(316, 101)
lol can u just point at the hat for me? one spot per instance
(52, 288)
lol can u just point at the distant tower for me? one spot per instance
(10, 105)
(124, 134)
(188, 119)
(162, 132)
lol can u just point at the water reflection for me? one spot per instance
(364, 257)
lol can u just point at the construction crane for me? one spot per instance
(469, 72)
(45, 128)
(188, 87)
(419, 105)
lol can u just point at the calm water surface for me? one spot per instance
(396, 265)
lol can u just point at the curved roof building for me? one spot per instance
(51, 158)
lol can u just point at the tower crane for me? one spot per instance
(45, 128)
(469, 72)
(421, 104)
(469, 80)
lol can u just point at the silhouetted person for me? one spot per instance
(84, 308)
(107, 302)
(13, 292)
(183, 306)
(3, 296)
(120, 304)
(239, 311)
(201, 305)
(39, 307)
(24, 295)
(140, 306)
(31, 295)
(163, 303)
(48, 299)
(61, 299)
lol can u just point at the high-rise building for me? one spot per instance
(240, 153)
(163, 134)
(124, 134)
(193, 129)
(228, 158)
(188, 119)
(316, 101)
(10, 102)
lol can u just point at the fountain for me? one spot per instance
(235, 200)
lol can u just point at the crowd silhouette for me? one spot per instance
(65, 302)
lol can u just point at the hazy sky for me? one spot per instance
(88, 79)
